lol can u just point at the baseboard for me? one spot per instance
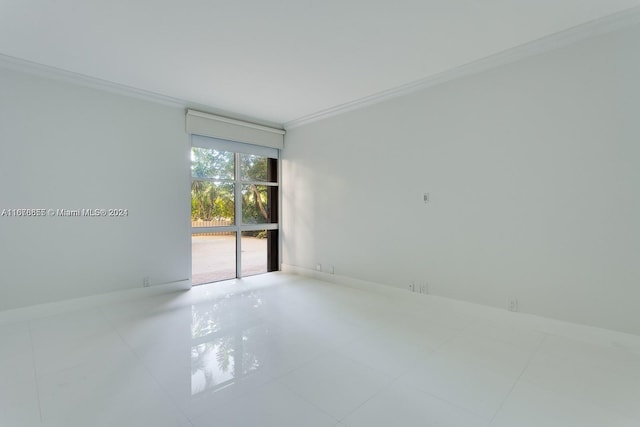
(50, 309)
(580, 332)
(342, 280)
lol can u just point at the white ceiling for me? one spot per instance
(281, 60)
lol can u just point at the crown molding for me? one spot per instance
(34, 68)
(554, 41)
(59, 74)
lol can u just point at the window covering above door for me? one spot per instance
(236, 147)
(205, 124)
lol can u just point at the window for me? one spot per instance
(234, 210)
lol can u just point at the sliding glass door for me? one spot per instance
(234, 210)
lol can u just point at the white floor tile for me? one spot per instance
(16, 358)
(18, 393)
(108, 392)
(64, 341)
(70, 328)
(272, 405)
(603, 377)
(486, 354)
(336, 384)
(16, 350)
(206, 371)
(157, 327)
(282, 350)
(403, 406)
(394, 350)
(515, 336)
(22, 415)
(19, 405)
(472, 371)
(217, 358)
(566, 352)
(464, 383)
(141, 308)
(532, 406)
(327, 330)
(285, 350)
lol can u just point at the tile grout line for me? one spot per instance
(463, 408)
(163, 389)
(515, 383)
(397, 378)
(35, 371)
(319, 356)
(300, 396)
(377, 393)
(448, 402)
(278, 379)
(393, 380)
(146, 368)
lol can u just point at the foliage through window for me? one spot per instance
(213, 183)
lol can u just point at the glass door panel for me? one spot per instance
(210, 163)
(213, 257)
(212, 203)
(254, 252)
(256, 204)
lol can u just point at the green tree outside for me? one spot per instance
(212, 188)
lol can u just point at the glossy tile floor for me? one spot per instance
(281, 350)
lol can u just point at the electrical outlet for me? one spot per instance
(145, 282)
(319, 267)
(512, 304)
(425, 197)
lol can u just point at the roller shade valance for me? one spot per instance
(205, 124)
(236, 147)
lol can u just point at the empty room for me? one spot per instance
(320, 214)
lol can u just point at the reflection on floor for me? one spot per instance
(280, 350)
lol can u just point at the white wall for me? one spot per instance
(66, 146)
(534, 174)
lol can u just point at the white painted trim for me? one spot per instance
(51, 309)
(280, 214)
(557, 40)
(545, 325)
(54, 73)
(340, 280)
(233, 121)
(46, 71)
